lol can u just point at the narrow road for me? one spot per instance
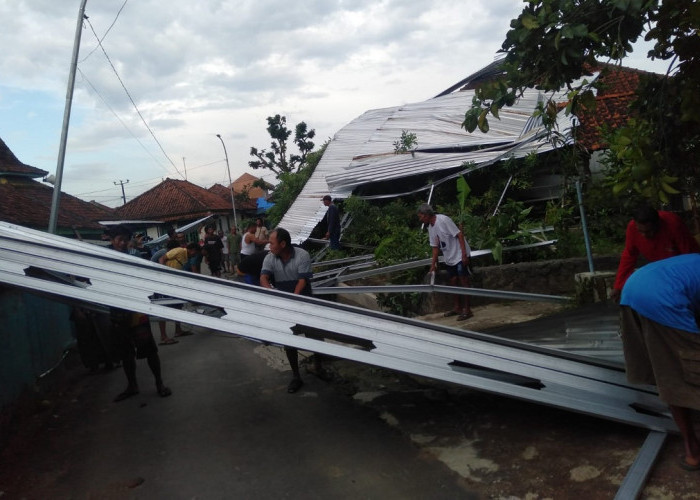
(230, 430)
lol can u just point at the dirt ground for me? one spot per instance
(506, 448)
(501, 448)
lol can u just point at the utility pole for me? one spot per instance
(121, 183)
(55, 200)
(230, 182)
(184, 166)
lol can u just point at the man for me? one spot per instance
(249, 269)
(132, 333)
(290, 267)
(249, 243)
(234, 247)
(212, 249)
(661, 339)
(333, 220)
(260, 234)
(445, 236)
(655, 235)
(225, 260)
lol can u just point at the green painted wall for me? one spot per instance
(34, 332)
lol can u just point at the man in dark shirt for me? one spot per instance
(333, 220)
(212, 250)
(132, 332)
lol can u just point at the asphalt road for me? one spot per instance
(230, 430)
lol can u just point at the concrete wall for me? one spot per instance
(549, 277)
(34, 332)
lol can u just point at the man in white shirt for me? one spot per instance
(445, 236)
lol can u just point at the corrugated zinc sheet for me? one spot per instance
(362, 152)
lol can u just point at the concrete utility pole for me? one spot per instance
(230, 182)
(53, 217)
(121, 183)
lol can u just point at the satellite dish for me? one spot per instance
(51, 179)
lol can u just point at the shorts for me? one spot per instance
(663, 356)
(214, 265)
(135, 342)
(458, 269)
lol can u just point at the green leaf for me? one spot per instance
(483, 122)
(463, 191)
(529, 21)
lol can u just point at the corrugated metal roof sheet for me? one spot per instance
(362, 152)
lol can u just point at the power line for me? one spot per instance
(149, 181)
(132, 100)
(106, 32)
(104, 101)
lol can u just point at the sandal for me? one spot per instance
(164, 392)
(450, 313)
(464, 316)
(130, 391)
(294, 385)
(168, 342)
(689, 467)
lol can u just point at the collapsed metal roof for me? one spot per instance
(362, 152)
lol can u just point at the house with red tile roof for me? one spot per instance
(176, 203)
(27, 202)
(613, 99)
(246, 205)
(244, 184)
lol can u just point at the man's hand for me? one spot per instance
(615, 295)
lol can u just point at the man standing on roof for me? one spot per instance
(661, 339)
(290, 268)
(447, 238)
(655, 235)
(333, 220)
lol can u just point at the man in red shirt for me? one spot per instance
(656, 236)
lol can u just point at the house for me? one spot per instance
(244, 185)
(361, 157)
(27, 202)
(175, 203)
(36, 330)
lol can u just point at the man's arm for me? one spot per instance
(463, 246)
(433, 264)
(628, 260)
(300, 286)
(265, 281)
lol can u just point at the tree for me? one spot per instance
(277, 158)
(290, 185)
(554, 43)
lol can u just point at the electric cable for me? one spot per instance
(132, 100)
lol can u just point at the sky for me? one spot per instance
(169, 76)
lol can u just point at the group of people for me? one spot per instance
(659, 303)
(659, 306)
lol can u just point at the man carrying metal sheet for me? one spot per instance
(290, 268)
(445, 236)
(661, 339)
(132, 332)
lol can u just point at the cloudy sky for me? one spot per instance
(195, 69)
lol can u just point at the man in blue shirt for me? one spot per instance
(661, 338)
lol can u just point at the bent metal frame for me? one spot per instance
(33, 260)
